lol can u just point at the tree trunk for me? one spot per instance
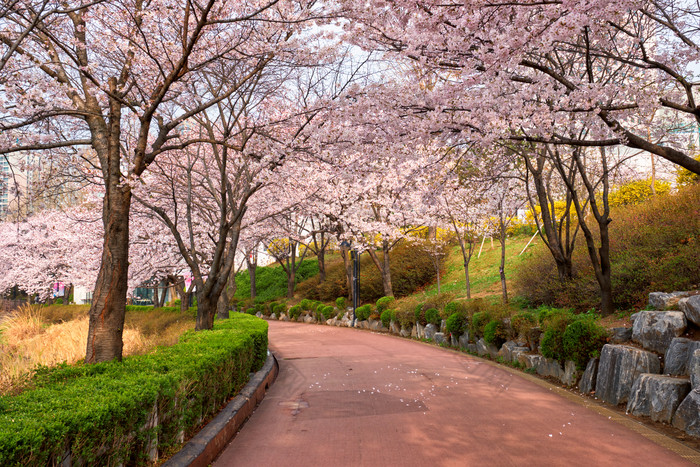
(163, 293)
(251, 274)
(106, 323)
(156, 298)
(502, 268)
(67, 294)
(466, 258)
(348, 271)
(321, 257)
(224, 304)
(206, 309)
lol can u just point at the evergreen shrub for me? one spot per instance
(457, 324)
(432, 316)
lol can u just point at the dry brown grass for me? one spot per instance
(28, 339)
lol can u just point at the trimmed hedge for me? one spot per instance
(97, 413)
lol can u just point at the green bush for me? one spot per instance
(384, 303)
(454, 307)
(582, 340)
(340, 303)
(654, 246)
(294, 312)
(362, 312)
(387, 317)
(495, 333)
(419, 315)
(306, 304)
(457, 324)
(328, 312)
(554, 325)
(177, 302)
(479, 321)
(432, 316)
(97, 412)
(58, 301)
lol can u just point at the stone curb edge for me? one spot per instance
(206, 445)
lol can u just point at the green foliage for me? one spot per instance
(582, 340)
(411, 269)
(406, 319)
(495, 333)
(432, 316)
(387, 317)
(456, 324)
(59, 301)
(479, 321)
(177, 303)
(384, 303)
(327, 312)
(340, 303)
(271, 281)
(149, 308)
(653, 246)
(454, 307)
(98, 411)
(554, 323)
(363, 312)
(294, 312)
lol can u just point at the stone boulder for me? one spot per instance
(430, 331)
(678, 356)
(549, 367)
(414, 331)
(472, 348)
(440, 338)
(405, 332)
(394, 327)
(570, 374)
(687, 416)
(530, 360)
(620, 335)
(509, 351)
(482, 348)
(420, 331)
(655, 330)
(690, 306)
(663, 300)
(587, 383)
(464, 340)
(517, 351)
(619, 367)
(694, 369)
(657, 396)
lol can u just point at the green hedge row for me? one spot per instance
(97, 413)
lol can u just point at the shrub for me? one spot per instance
(59, 301)
(387, 317)
(406, 319)
(419, 315)
(479, 321)
(523, 322)
(271, 281)
(306, 304)
(457, 324)
(362, 312)
(636, 192)
(555, 323)
(294, 312)
(97, 412)
(432, 316)
(177, 302)
(495, 333)
(340, 303)
(453, 307)
(582, 340)
(384, 303)
(328, 312)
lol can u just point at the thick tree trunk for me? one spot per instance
(156, 298)
(206, 309)
(107, 310)
(291, 282)
(224, 304)
(163, 293)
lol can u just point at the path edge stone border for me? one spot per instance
(206, 445)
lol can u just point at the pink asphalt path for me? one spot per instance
(346, 397)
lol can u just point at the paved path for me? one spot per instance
(348, 397)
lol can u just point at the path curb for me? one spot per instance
(206, 445)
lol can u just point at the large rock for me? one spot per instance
(472, 348)
(570, 374)
(678, 356)
(405, 332)
(464, 340)
(655, 330)
(482, 348)
(694, 369)
(619, 367)
(691, 308)
(657, 396)
(620, 335)
(506, 351)
(530, 360)
(517, 351)
(430, 331)
(394, 327)
(663, 300)
(549, 367)
(440, 338)
(587, 383)
(687, 416)
(454, 340)
(420, 331)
